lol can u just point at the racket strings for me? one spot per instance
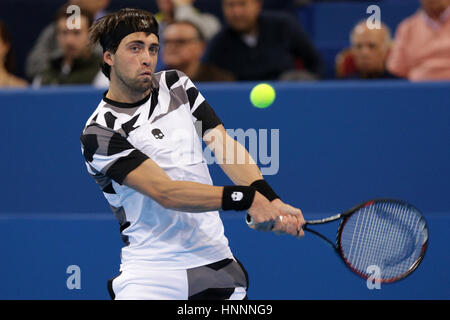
(387, 235)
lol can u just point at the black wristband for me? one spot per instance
(237, 198)
(264, 188)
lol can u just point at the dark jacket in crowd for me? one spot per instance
(83, 71)
(281, 46)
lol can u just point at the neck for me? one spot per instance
(372, 74)
(252, 32)
(68, 61)
(119, 92)
(436, 15)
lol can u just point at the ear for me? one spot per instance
(108, 57)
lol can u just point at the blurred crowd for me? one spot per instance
(250, 44)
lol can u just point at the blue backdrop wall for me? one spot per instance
(339, 144)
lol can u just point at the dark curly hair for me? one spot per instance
(137, 19)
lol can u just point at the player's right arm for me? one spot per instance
(151, 180)
(112, 155)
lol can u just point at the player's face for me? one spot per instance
(369, 49)
(73, 42)
(242, 15)
(135, 60)
(181, 46)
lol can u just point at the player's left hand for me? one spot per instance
(290, 221)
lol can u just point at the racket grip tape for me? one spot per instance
(263, 226)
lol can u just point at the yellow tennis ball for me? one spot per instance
(262, 95)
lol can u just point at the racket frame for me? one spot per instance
(344, 217)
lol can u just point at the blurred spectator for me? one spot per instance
(77, 63)
(7, 78)
(421, 49)
(184, 10)
(97, 8)
(184, 46)
(368, 54)
(262, 46)
(46, 47)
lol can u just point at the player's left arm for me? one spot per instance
(241, 168)
(243, 172)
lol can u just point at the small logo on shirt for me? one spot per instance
(237, 196)
(157, 134)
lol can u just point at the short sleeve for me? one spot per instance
(109, 152)
(201, 110)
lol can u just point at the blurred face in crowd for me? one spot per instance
(73, 42)
(370, 48)
(93, 6)
(182, 45)
(434, 8)
(242, 15)
(133, 64)
(165, 6)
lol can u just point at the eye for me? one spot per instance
(154, 49)
(134, 48)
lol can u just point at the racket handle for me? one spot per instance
(263, 226)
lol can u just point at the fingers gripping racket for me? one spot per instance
(386, 233)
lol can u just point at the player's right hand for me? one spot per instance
(291, 221)
(263, 213)
(268, 216)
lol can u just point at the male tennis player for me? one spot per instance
(141, 146)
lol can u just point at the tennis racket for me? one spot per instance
(389, 234)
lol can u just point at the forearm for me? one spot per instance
(247, 173)
(232, 157)
(242, 174)
(190, 196)
(151, 180)
(238, 164)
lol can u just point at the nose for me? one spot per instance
(365, 50)
(146, 58)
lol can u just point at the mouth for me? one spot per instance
(147, 73)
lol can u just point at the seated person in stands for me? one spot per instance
(46, 47)
(77, 63)
(184, 10)
(421, 50)
(368, 53)
(7, 78)
(262, 46)
(184, 46)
